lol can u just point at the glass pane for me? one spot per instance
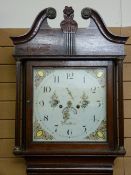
(69, 104)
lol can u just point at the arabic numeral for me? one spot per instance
(93, 90)
(46, 118)
(41, 102)
(70, 75)
(69, 132)
(56, 128)
(99, 103)
(85, 129)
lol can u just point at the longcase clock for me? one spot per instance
(69, 111)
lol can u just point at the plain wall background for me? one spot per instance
(21, 13)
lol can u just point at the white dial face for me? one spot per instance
(69, 104)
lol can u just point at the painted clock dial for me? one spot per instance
(69, 104)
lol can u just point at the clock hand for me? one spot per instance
(69, 93)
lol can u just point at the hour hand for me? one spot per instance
(69, 93)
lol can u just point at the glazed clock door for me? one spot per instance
(69, 104)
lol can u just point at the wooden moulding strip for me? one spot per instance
(6, 55)
(118, 166)
(127, 143)
(6, 148)
(127, 109)
(7, 91)
(128, 54)
(6, 33)
(12, 166)
(127, 165)
(127, 90)
(126, 31)
(7, 110)
(127, 128)
(127, 72)
(8, 73)
(7, 129)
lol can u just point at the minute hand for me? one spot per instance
(69, 93)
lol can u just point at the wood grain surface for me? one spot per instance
(7, 110)
(12, 166)
(122, 166)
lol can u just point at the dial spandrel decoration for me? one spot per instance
(69, 104)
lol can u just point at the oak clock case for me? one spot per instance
(69, 93)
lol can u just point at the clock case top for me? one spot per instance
(68, 46)
(44, 42)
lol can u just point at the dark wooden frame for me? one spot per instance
(69, 148)
(44, 46)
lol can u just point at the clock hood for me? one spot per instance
(69, 40)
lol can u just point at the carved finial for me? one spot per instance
(68, 12)
(68, 24)
(86, 13)
(51, 13)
